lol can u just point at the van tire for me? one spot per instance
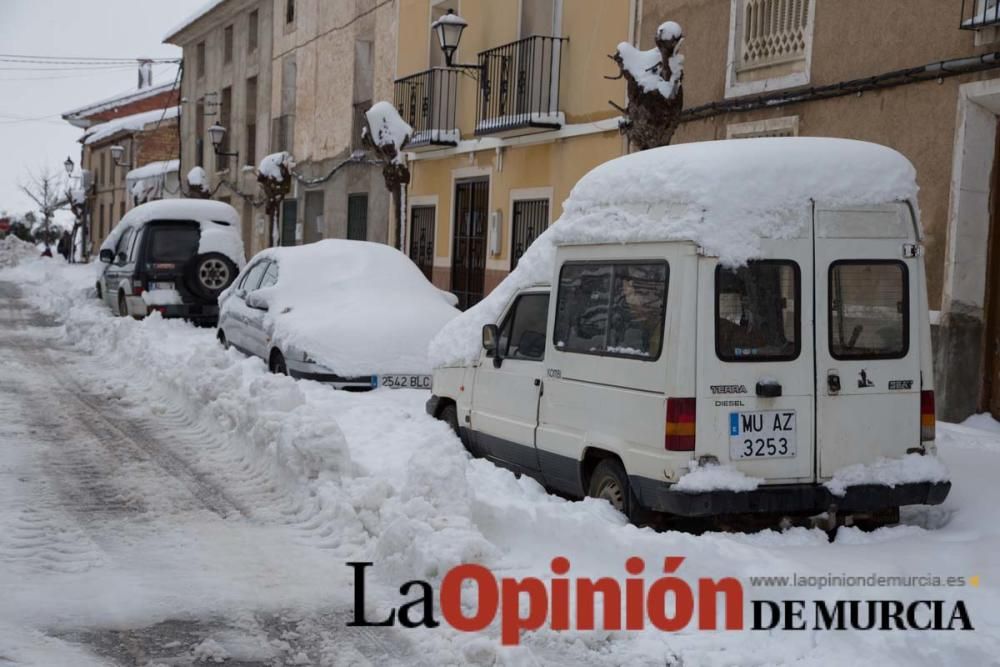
(609, 481)
(449, 415)
(100, 294)
(209, 274)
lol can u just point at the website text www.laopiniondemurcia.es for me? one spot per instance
(634, 604)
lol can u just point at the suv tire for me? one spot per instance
(277, 363)
(122, 305)
(100, 293)
(610, 482)
(209, 274)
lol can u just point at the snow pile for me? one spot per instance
(388, 127)
(725, 196)
(355, 307)
(270, 166)
(646, 66)
(451, 18)
(715, 478)
(133, 123)
(149, 181)
(220, 224)
(197, 177)
(13, 251)
(162, 297)
(911, 469)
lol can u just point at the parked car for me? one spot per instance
(795, 383)
(173, 256)
(354, 314)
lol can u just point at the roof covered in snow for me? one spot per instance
(199, 13)
(153, 169)
(78, 116)
(133, 123)
(725, 196)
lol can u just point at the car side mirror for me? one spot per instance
(257, 302)
(107, 256)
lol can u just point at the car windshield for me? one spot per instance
(173, 244)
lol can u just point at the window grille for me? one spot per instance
(773, 32)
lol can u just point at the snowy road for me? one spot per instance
(167, 502)
(106, 523)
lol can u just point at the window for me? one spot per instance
(770, 45)
(757, 312)
(122, 247)
(869, 309)
(357, 217)
(101, 227)
(173, 244)
(104, 168)
(200, 59)
(612, 309)
(251, 121)
(121, 210)
(270, 275)
(438, 9)
(788, 126)
(199, 133)
(531, 218)
(226, 120)
(289, 11)
(227, 45)
(522, 333)
(253, 22)
(251, 277)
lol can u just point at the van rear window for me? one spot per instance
(757, 312)
(173, 244)
(612, 309)
(869, 309)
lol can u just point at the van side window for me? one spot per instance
(612, 309)
(869, 309)
(122, 247)
(757, 312)
(522, 334)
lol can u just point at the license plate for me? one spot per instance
(768, 434)
(153, 286)
(405, 381)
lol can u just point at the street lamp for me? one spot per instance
(449, 33)
(69, 165)
(117, 153)
(217, 133)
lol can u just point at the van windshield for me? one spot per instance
(757, 312)
(173, 244)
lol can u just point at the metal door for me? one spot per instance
(422, 238)
(468, 262)
(357, 217)
(531, 218)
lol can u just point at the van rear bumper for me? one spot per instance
(786, 498)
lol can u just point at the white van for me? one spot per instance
(769, 356)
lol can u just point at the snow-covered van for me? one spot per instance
(174, 256)
(713, 329)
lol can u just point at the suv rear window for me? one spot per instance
(612, 309)
(173, 244)
(869, 309)
(757, 312)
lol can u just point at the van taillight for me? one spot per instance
(680, 425)
(928, 422)
(138, 289)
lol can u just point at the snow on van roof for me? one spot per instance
(225, 238)
(725, 196)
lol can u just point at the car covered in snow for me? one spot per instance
(173, 256)
(714, 329)
(355, 314)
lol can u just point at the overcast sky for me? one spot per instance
(32, 134)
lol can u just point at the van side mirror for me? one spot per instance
(490, 336)
(107, 255)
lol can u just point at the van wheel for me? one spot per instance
(610, 482)
(449, 415)
(209, 274)
(277, 363)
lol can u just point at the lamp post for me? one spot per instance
(117, 153)
(449, 29)
(217, 134)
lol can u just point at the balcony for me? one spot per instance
(427, 102)
(980, 14)
(519, 87)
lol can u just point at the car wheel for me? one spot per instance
(209, 274)
(610, 482)
(122, 305)
(222, 339)
(277, 363)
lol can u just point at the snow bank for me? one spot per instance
(725, 196)
(13, 251)
(355, 307)
(197, 177)
(220, 224)
(715, 478)
(911, 469)
(133, 123)
(270, 166)
(388, 127)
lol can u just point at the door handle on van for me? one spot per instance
(769, 389)
(833, 382)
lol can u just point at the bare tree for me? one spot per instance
(45, 188)
(386, 135)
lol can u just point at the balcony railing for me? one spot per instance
(427, 102)
(519, 86)
(979, 14)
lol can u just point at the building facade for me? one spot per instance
(331, 60)
(497, 147)
(227, 53)
(815, 68)
(144, 124)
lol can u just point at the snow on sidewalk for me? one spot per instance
(372, 477)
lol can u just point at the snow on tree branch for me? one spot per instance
(655, 84)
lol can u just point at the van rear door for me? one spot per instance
(868, 383)
(755, 403)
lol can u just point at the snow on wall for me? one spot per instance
(725, 196)
(133, 123)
